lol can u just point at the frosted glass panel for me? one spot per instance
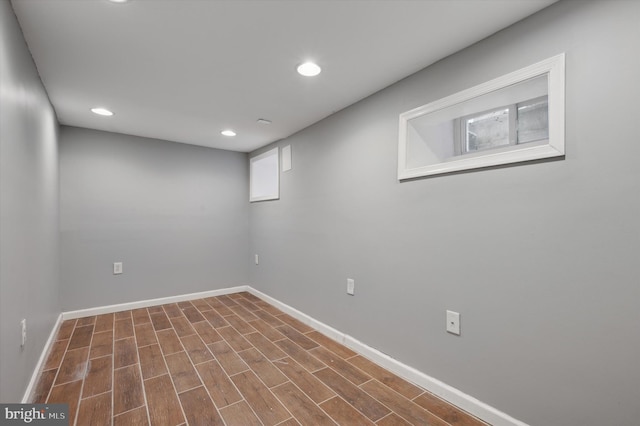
(488, 130)
(533, 121)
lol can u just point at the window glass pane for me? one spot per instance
(533, 120)
(488, 130)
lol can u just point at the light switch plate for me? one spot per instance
(117, 268)
(453, 322)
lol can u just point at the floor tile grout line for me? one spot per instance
(364, 383)
(283, 404)
(164, 358)
(395, 411)
(248, 405)
(422, 391)
(253, 305)
(364, 372)
(398, 393)
(447, 403)
(144, 393)
(64, 354)
(284, 314)
(249, 369)
(317, 404)
(301, 390)
(113, 368)
(379, 402)
(335, 394)
(339, 373)
(307, 352)
(243, 320)
(268, 390)
(327, 366)
(92, 396)
(342, 375)
(127, 411)
(420, 394)
(225, 372)
(385, 416)
(84, 375)
(202, 383)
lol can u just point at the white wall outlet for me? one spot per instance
(453, 322)
(350, 286)
(23, 327)
(256, 259)
(117, 268)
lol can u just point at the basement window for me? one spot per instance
(514, 118)
(514, 124)
(264, 176)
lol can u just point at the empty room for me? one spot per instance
(310, 212)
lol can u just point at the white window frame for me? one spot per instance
(553, 68)
(264, 176)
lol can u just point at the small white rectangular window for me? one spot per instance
(513, 118)
(264, 176)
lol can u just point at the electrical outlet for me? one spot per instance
(453, 322)
(23, 327)
(350, 286)
(117, 268)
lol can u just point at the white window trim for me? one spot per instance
(273, 176)
(553, 67)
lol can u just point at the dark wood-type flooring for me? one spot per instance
(227, 360)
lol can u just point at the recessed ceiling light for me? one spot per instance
(102, 111)
(118, 1)
(309, 69)
(228, 132)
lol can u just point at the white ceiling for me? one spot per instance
(183, 70)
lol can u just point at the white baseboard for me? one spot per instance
(28, 393)
(460, 399)
(310, 321)
(99, 310)
(455, 396)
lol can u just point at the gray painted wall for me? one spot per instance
(176, 215)
(28, 210)
(541, 260)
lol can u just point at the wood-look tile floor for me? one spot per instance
(227, 360)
